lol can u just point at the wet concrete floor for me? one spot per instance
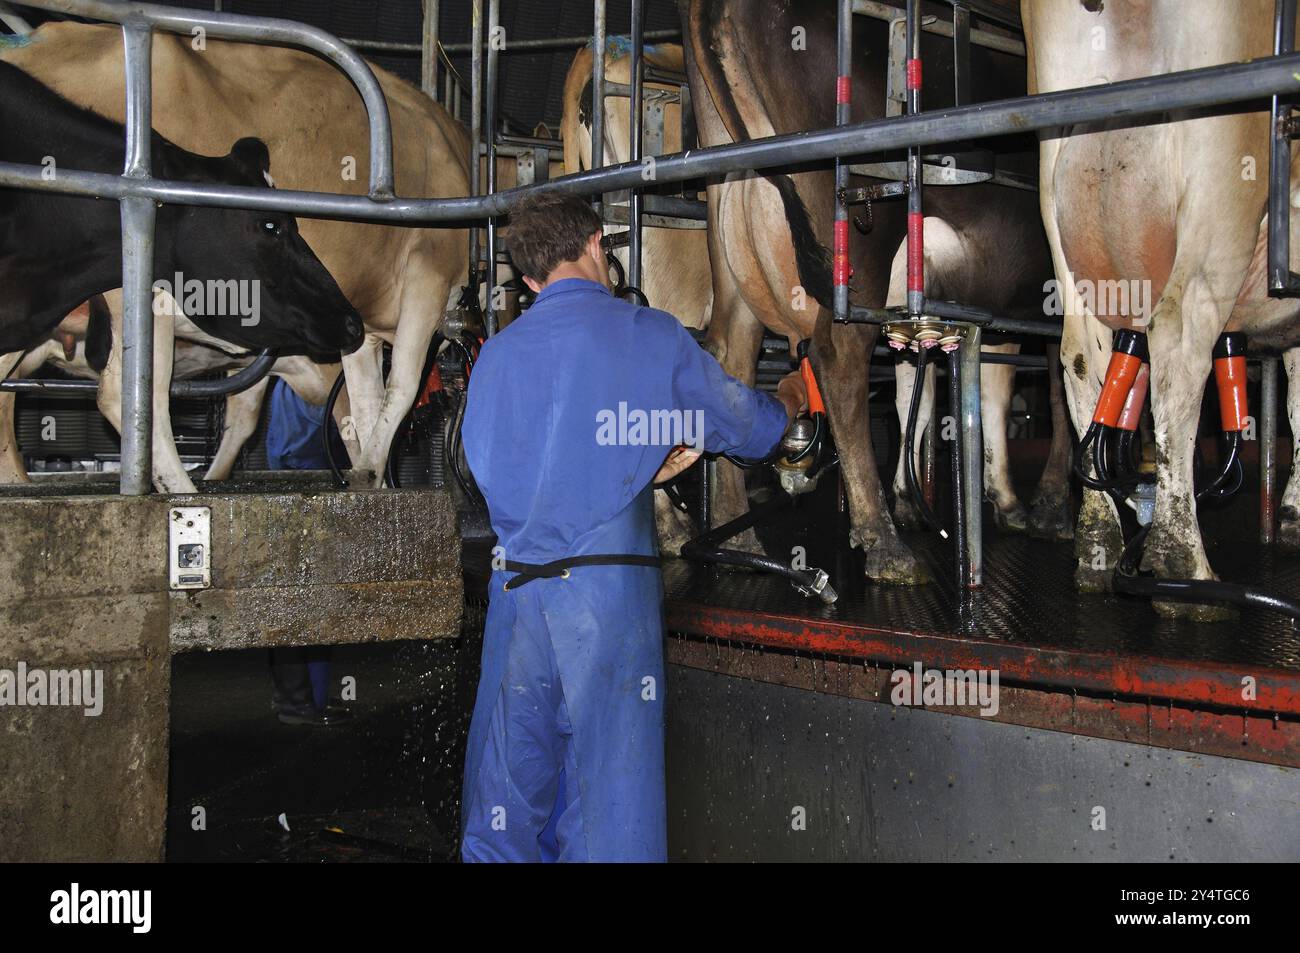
(384, 787)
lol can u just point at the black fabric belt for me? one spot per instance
(559, 568)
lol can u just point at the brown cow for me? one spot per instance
(769, 234)
(1175, 207)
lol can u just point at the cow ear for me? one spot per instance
(253, 158)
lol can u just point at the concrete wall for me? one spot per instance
(84, 586)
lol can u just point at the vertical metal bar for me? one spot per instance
(972, 458)
(429, 50)
(635, 106)
(1279, 165)
(915, 232)
(598, 89)
(490, 104)
(960, 524)
(960, 55)
(843, 96)
(1268, 449)
(475, 127)
(138, 216)
(447, 101)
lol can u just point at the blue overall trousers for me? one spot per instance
(571, 411)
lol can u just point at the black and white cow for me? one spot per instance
(56, 251)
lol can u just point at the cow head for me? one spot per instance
(248, 277)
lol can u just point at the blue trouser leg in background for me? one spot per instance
(293, 442)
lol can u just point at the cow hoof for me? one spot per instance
(906, 515)
(1089, 579)
(1012, 520)
(890, 562)
(746, 542)
(670, 547)
(1194, 611)
(1050, 519)
(1288, 531)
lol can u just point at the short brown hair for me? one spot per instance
(548, 228)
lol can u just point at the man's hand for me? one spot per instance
(679, 459)
(793, 393)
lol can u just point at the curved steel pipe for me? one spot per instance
(186, 390)
(231, 26)
(236, 383)
(1127, 100)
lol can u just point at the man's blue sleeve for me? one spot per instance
(734, 418)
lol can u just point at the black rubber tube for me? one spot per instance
(707, 547)
(1205, 590)
(452, 433)
(1232, 462)
(223, 387)
(909, 439)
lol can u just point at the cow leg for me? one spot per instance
(365, 385)
(342, 415)
(12, 469)
(735, 337)
(1288, 534)
(675, 527)
(1098, 541)
(996, 382)
(1084, 354)
(841, 357)
(905, 512)
(1180, 365)
(243, 411)
(415, 327)
(169, 474)
(1049, 513)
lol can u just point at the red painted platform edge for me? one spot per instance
(1160, 725)
(1277, 691)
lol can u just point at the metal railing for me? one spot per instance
(138, 21)
(137, 189)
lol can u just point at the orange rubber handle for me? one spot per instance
(1120, 374)
(1230, 376)
(815, 405)
(432, 384)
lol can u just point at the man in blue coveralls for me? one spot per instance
(574, 411)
